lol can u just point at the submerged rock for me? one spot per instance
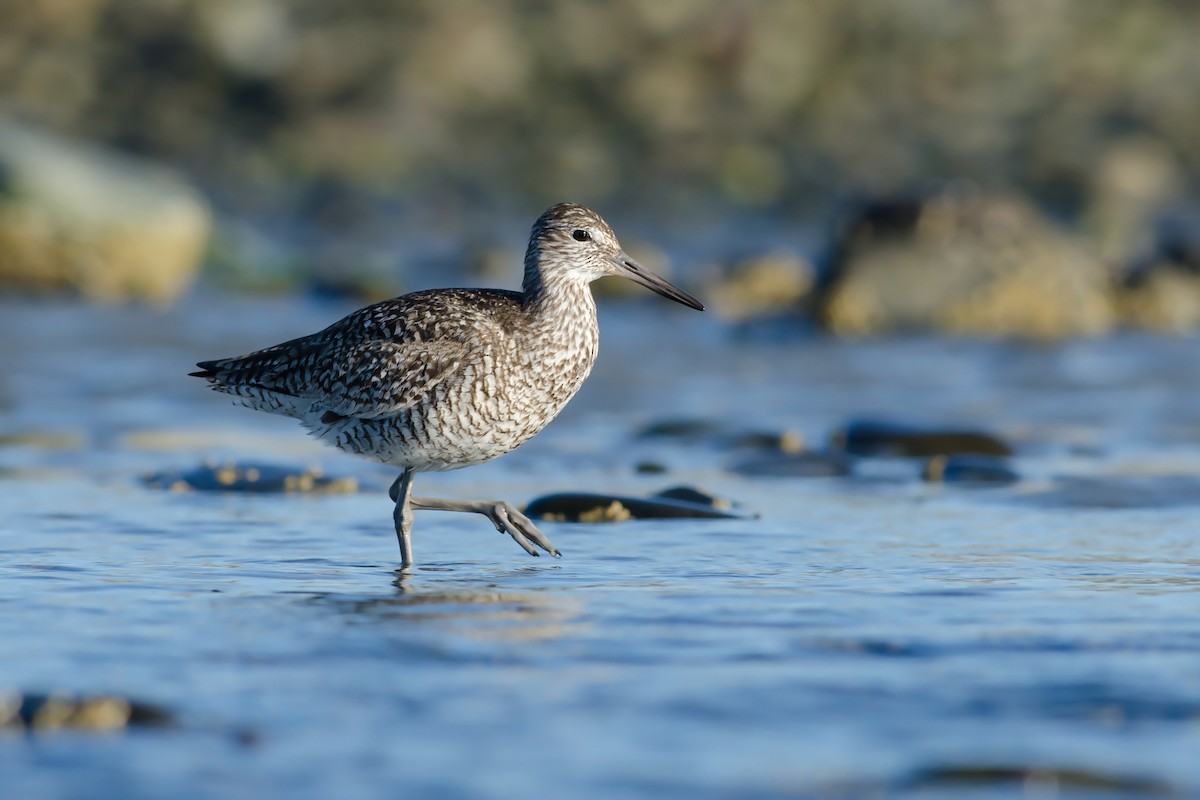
(721, 434)
(250, 478)
(85, 221)
(785, 442)
(1121, 491)
(690, 494)
(686, 429)
(969, 471)
(883, 438)
(677, 503)
(962, 263)
(1034, 780)
(806, 464)
(65, 711)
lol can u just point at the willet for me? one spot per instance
(447, 378)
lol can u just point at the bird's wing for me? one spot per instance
(375, 379)
(365, 378)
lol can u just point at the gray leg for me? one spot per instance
(506, 519)
(402, 516)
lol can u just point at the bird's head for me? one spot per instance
(572, 241)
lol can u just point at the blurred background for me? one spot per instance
(770, 153)
(951, 254)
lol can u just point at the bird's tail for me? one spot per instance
(249, 384)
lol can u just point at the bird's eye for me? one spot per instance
(580, 235)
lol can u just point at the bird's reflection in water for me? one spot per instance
(479, 609)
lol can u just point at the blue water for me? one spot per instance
(871, 636)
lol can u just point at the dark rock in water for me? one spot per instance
(250, 478)
(649, 468)
(969, 471)
(690, 494)
(1002, 780)
(43, 712)
(808, 464)
(780, 453)
(677, 503)
(787, 442)
(882, 438)
(721, 434)
(961, 262)
(685, 429)
(1121, 491)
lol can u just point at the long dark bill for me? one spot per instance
(628, 268)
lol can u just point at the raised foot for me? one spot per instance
(508, 519)
(504, 516)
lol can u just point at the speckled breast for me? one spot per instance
(510, 388)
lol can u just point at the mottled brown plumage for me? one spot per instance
(447, 378)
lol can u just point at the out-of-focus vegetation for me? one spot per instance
(364, 116)
(758, 102)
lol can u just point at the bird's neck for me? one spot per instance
(558, 302)
(531, 284)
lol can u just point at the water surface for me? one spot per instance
(864, 636)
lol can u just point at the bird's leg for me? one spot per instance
(506, 519)
(402, 516)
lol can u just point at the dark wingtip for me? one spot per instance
(207, 370)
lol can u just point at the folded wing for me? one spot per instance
(367, 379)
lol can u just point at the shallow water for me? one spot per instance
(865, 636)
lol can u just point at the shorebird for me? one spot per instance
(448, 378)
